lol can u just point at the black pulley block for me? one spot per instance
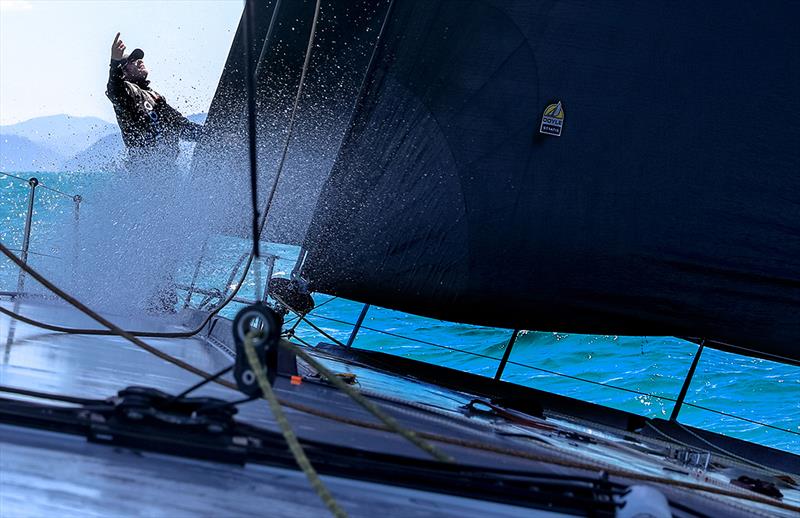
(264, 319)
(293, 293)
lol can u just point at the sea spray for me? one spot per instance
(133, 234)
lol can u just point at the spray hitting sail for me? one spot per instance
(622, 168)
(343, 41)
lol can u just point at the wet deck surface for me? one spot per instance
(84, 478)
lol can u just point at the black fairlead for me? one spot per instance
(267, 323)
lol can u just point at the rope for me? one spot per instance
(286, 428)
(371, 407)
(247, 26)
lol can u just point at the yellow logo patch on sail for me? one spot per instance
(552, 120)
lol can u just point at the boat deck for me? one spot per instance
(82, 478)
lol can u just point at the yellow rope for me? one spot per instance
(371, 407)
(286, 429)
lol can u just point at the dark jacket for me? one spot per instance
(149, 125)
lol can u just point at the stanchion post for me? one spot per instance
(191, 289)
(506, 355)
(76, 227)
(26, 239)
(26, 243)
(269, 259)
(686, 382)
(360, 321)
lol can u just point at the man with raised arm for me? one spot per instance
(150, 127)
(151, 130)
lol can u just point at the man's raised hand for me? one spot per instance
(117, 48)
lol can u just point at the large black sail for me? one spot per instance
(669, 204)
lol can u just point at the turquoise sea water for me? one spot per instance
(636, 374)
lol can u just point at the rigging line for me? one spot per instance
(290, 133)
(50, 396)
(479, 355)
(43, 186)
(15, 176)
(200, 383)
(31, 252)
(286, 429)
(293, 319)
(753, 353)
(411, 339)
(303, 318)
(96, 332)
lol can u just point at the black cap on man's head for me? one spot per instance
(133, 56)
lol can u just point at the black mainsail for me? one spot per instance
(669, 204)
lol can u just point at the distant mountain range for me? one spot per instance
(18, 154)
(63, 143)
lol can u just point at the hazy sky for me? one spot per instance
(54, 54)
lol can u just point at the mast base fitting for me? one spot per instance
(260, 317)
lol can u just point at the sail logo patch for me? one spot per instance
(552, 120)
